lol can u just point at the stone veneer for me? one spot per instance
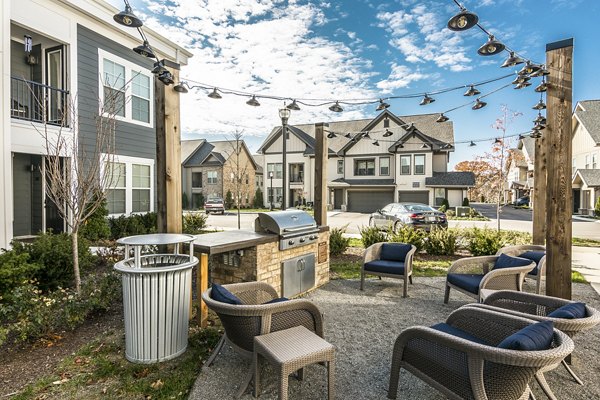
(263, 263)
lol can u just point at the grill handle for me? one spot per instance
(298, 228)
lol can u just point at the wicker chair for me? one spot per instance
(464, 369)
(537, 307)
(537, 273)
(243, 322)
(471, 275)
(390, 269)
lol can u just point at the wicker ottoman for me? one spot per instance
(291, 350)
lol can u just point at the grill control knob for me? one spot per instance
(302, 240)
(291, 242)
(312, 237)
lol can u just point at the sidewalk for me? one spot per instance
(585, 261)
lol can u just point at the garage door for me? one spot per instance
(414, 197)
(368, 202)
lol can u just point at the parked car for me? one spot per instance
(214, 205)
(418, 215)
(522, 201)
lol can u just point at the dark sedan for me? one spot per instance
(396, 215)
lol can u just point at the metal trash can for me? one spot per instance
(157, 291)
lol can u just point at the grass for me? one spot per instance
(99, 370)
(585, 242)
(428, 268)
(576, 277)
(355, 242)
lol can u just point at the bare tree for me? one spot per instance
(78, 174)
(239, 173)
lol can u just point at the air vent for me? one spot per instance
(416, 184)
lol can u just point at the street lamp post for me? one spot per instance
(272, 194)
(284, 114)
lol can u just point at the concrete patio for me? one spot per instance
(364, 325)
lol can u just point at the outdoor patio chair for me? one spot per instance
(474, 275)
(242, 322)
(532, 252)
(540, 308)
(463, 360)
(392, 260)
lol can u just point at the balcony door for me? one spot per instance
(55, 79)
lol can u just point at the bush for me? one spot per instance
(408, 234)
(597, 208)
(445, 205)
(450, 213)
(440, 242)
(465, 202)
(257, 202)
(53, 254)
(338, 243)
(32, 314)
(96, 227)
(515, 238)
(135, 224)
(15, 269)
(228, 200)
(194, 223)
(371, 235)
(184, 201)
(484, 242)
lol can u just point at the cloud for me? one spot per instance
(400, 76)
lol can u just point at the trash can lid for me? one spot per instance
(156, 239)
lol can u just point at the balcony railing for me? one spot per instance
(33, 101)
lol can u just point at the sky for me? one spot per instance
(365, 49)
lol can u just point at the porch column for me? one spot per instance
(6, 199)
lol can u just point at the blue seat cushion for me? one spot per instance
(534, 256)
(468, 282)
(277, 300)
(219, 293)
(569, 311)
(442, 327)
(505, 261)
(533, 337)
(385, 266)
(394, 251)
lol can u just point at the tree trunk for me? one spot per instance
(74, 242)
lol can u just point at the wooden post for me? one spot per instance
(168, 156)
(539, 191)
(321, 150)
(559, 202)
(201, 286)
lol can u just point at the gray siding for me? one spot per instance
(131, 140)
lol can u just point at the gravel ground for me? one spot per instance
(363, 327)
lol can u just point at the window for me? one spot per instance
(384, 166)
(439, 195)
(340, 167)
(364, 167)
(196, 180)
(386, 122)
(405, 165)
(127, 90)
(212, 177)
(573, 166)
(247, 179)
(277, 170)
(131, 185)
(278, 195)
(419, 164)
(115, 195)
(587, 161)
(594, 161)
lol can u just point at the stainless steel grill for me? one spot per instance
(295, 227)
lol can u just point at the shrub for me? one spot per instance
(597, 208)
(445, 205)
(194, 223)
(15, 269)
(515, 238)
(184, 201)
(371, 235)
(450, 213)
(53, 254)
(408, 234)
(135, 224)
(257, 202)
(465, 202)
(228, 200)
(440, 242)
(483, 242)
(337, 242)
(96, 226)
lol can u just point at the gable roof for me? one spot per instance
(517, 156)
(441, 132)
(188, 147)
(259, 159)
(202, 153)
(591, 177)
(457, 179)
(529, 144)
(587, 113)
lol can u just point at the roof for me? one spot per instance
(459, 179)
(591, 177)
(528, 143)
(588, 114)
(188, 147)
(259, 159)
(365, 182)
(200, 152)
(518, 157)
(426, 123)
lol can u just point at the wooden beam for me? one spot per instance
(168, 157)
(321, 150)
(559, 202)
(539, 191)
(202, 286)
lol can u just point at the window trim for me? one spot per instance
(275, 171)
(409, 157)
(424, 164)
(388, 166)
(340, 167)
(129, 161)
(358, 160)
(209, 179)
(130, 69)
(192, 178)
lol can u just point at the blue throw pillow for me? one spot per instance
(277, 300)
(531, 338)
(569, 311)
(220, 294)
(505, 261)
(533, 255)
(394, 251)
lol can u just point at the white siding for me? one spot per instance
(584, 145)
(455, 197)
(440, 162)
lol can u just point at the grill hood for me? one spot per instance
(285, 222)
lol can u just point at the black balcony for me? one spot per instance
(36, 102)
